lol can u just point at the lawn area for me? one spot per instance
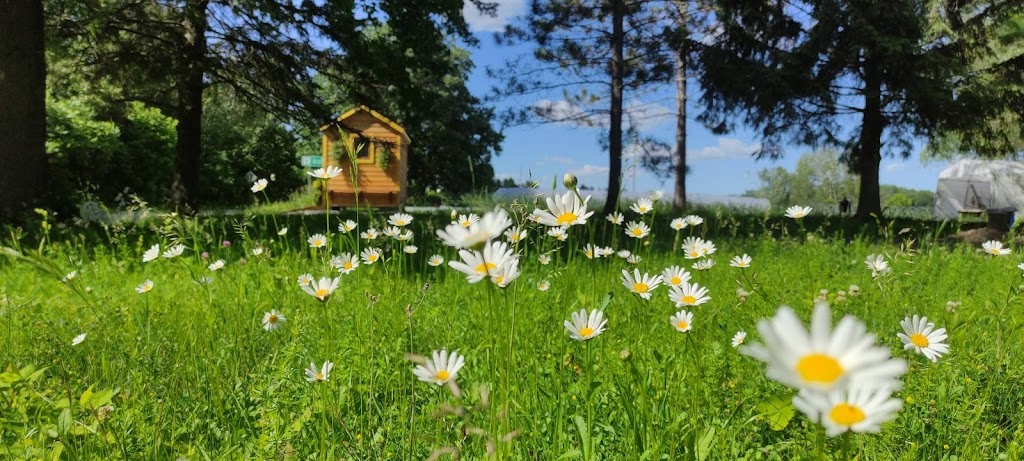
(195, 367)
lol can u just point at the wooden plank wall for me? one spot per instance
(372, 179)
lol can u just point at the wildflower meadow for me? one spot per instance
(536, 330)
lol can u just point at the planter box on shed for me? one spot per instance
(381, 147)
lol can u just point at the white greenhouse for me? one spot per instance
(975, 186)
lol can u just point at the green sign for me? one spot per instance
(312, 161)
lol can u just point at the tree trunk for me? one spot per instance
(870, 145)
(615, 122)
(189, 147)
(679, 199)
(22, 106)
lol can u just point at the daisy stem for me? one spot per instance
(819, 444)
(588, 450)
(272, 215)
(845, 445)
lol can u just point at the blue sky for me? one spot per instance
(719, 165)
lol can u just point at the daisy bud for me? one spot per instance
(570, 181)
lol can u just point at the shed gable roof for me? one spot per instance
(377, 115)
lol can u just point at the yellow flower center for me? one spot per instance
(318, 242)
(845, 414)
(675, 280)
(682, 325)
(442, 375)
(347, 265)
(372, 257)
(272, 319)
(499, 279)
(321, 293)
(694, 254)
(641, 287)
(994, 251)
(400, 223)
(566, 218)
(319, 376)
(819, 368)
(919, 340)
(643, 209)
(484, 268)
(637, 231)
(466, 223)
(586, 332)
(689, 299)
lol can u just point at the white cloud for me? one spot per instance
(642, 116)
(565, 112)
(894, 167)
(590, 170)
(726, 148)
(479, 22)
(556, 159)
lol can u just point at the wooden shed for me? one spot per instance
(380, 147)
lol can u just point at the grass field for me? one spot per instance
(187, 370)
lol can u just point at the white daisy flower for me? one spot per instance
(410, 249)
(643, 205)
(392, 232)
(305, 280)
(655, 195)
(319, 375)
(492, 225)
(583, 326)
(688, 294)
(204, 280)
(477, 265)
(515, 235)
(272, 320)
(400, 219)
(857, 409)
(634, 259)
(369, 234)
(69, 277)
(878, 266)
(370, 255)
(694, 220)
(78, 339)
(995, 248)
(325, 173)
(641, 284)
(854, 290)
(704, 264)
(441, 368)
(606, 251)
(615, 218)
(436, 260)
(543, 285)
(637, 230)
(675, 276)
(144, 287)
(742, 294)
(317, 241)
(693, 247)
(544, 259)
(742, 262)
(1021, 267)
(404, 236)
(347, 226)
(257, 251)
(682, 321)
(174, 251)
(564, 211)
(283, 232)
(467, 220)
(323, 288)
(506, 272)
(823, 359)
(346, 263)
(259, 185)
(590, 251)
(678, 224)
(798, 212)
(738, 338)
(921, 335)
(558, 233)
(152, 253)
(624, 254)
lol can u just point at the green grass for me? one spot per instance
(196, 377)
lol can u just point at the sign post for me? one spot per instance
(311, 161)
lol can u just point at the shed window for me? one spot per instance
(362, 147)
